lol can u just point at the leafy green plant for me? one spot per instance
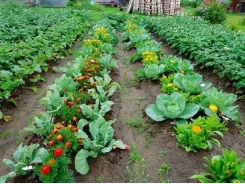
(213, 12)
(40, 126)
(199, 133)
(100, 142)
(150, 71)
(107, 62)
(172, 106)
(164, 169)
(25, 158)
(190, 83)
(214, 101)
(225, 168)
(52, 101)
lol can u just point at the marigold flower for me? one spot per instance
(170, 84)
(58, 152)
(45, 169)
(196, 129)
(176, 89)
(213, 108)
(51, 162)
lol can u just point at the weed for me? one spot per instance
(138, 173)
(162, 153)
(5, 134)
(19, 139)
(100, 179)
(135, 155)
(136, 122)
(164, 168)
(149, 139)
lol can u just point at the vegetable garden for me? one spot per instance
(122, 110)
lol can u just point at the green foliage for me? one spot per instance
(25, 157)
(40, 126)
(164, 168)
(213, 12)
(190, 83)
(225, 168)
(30, 37)
(199, 133)
(191, 3)
(59, 169)
(150, 71)
(135, 156)
(100, 142)
(84, 5)
(224, 50)
(223, 101)
(172, 106)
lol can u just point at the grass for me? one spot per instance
(235, 20)
(97, 15)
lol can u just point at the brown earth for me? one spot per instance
(155, 143)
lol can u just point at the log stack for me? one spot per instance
(153, 7)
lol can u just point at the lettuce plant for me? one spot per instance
(150, 71)
(199, 133)
(214, 101)
(190, 83)
(172, 106)
(225, 168)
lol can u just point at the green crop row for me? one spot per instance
(212, 46)
(39, 35)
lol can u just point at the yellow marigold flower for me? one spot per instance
(241, 172)
(196, 129)
(164, 76)
(176, 89)
(213, 107)
(182, 71)
(51, 162)
(170, 84)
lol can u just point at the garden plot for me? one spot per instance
(154, 156)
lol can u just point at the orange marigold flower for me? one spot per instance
(213, 108)
(196, 129)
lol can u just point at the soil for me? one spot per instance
(155, 143)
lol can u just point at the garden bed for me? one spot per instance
(152, 141)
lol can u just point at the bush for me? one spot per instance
(213, 12)
(191, 3)
(84, 4)
(12, 5)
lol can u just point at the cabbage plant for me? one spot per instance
(172, 106)
(214, 101)
(190, 83)
(150, 71)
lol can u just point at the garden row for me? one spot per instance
(74, 119)
(212, 46)
(30, 38)
(197, 111)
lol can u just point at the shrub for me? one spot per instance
(191, 3)
(85, 4)
(213, 12)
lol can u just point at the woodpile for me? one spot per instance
(154, 7)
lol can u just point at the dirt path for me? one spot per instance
(153, 141)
